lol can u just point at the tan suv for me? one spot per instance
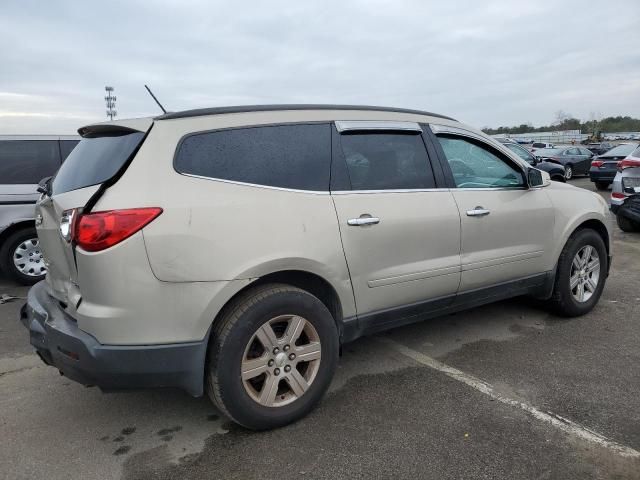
(233, 250)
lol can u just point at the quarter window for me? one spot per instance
(386, 161)
(28, 161)
(475, 165)
(286, 156)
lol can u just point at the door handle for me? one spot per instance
(478, 212)
(361, 221)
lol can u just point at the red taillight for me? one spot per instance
(617, 195)
(597, 163)
(100, 230)
(628, 163)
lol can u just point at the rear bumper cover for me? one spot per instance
(630, 208)
(597, 175)
(76, 354)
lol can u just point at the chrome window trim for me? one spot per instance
(396, 190)
(256, 185)
(368, 125)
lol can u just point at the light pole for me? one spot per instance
(110, 100)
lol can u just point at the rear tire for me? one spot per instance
(238, 349)
(27, 238)
(565, 298)
(568, 171)
(602, 185)
(627, 225)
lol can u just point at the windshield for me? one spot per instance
(621, 150)
(94, 161)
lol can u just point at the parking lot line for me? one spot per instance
(551, 418)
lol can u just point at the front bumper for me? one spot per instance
(76, 354)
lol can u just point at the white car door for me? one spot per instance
(506, 226)
(401, 235)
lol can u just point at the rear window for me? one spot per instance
(28, 161)
(539, 145)
(285, 156)
(66, 146)
(94, 161)
(621, 150)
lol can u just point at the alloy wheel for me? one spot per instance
(585, 273)
(281, 360)
(568, 173)
(27, 258)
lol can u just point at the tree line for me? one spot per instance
(568, 122)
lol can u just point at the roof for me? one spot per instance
(266, 108)
(39, 137)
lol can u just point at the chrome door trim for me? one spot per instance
(256, 185)
(367, 125)
(362, 221)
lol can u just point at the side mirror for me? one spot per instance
(538, 178)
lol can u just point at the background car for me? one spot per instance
(626, 185)
(575, 159)
(604, 167)
(599, 148)
(555, 171)
(24, 161)
(537, 145)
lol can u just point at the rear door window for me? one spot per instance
(28, 161)
(285, 156)
(95, 160)
(387, 161)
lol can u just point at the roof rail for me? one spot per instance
(265, 108)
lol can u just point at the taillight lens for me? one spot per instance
(628, 163)
(617, 195)
(597, 163)
(100, 230)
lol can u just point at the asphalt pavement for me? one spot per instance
(503, 391)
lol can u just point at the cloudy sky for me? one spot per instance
(487, 63)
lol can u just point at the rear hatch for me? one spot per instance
(99, 160)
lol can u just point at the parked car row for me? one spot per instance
(625, 194)
(605, 167)
(24, 161)
(575, 159)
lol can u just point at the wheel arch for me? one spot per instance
(14, 227)
(311, 282)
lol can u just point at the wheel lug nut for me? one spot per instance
(292, 356)
(270, 363)
(286, 348)
(287, 368)
(276, 372)
(276, 350)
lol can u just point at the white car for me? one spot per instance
(231, 251)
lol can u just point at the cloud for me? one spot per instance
(486, 63)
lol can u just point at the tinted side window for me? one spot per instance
(28, 161)
(386, 161)
(66, 146)
(476, 165)
(286, 156)
(523, 153)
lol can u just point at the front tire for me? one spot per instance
(602, 185)
(272, 356)
(21, 258)
(581, 274)
(627, 225)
